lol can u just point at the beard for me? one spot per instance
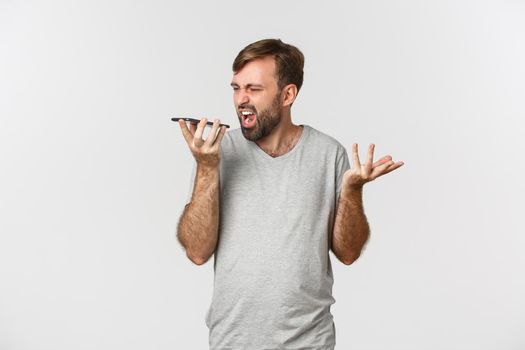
(266, 121)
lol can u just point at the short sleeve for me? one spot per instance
(342, 165)
(192, 182)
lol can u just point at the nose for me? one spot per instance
(241, 97)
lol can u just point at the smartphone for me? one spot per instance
(196, 121)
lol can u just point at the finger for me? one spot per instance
(197, 137)
(188, 136)
(355, 156)
(370, 153)
(381, 161)
(220, 135)
(393, 167)
(213, 133)
(193, 128)
(381, 170)
(386, 168)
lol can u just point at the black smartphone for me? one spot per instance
(196, 121)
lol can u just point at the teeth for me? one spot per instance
(246, 113)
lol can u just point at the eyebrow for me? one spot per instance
(247, 85)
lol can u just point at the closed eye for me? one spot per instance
(251, 87)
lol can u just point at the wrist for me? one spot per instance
(349, 190)
(208, 166)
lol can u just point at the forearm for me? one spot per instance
(199, 224)
(351, 229)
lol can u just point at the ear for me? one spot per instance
(289, 94)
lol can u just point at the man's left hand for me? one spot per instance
(359, 174)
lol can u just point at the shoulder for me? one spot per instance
(321, 139)
(233, 142)
(233, 134)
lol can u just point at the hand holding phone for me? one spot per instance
(206, 152)
(196, 121)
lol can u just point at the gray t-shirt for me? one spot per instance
(273, 275)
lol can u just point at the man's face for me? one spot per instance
(255, 90)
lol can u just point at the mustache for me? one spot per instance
(248, 107)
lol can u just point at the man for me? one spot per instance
(270, 199)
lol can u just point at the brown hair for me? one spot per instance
(289, 60)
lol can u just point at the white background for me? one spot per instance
(94, 174)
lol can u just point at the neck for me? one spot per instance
(282, 139)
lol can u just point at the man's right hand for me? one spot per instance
(206, 152)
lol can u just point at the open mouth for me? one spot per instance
(248, 118)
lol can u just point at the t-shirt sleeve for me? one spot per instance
(192, 182)
(342, 165)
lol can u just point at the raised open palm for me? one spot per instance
(359, 174)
